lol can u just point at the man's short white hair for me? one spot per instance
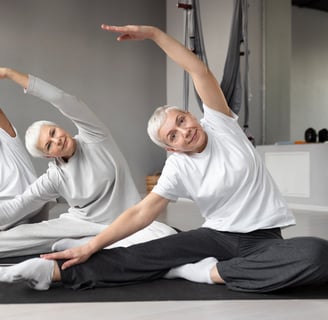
(32, 137)
(156, 121)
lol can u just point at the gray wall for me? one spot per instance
(61, 41)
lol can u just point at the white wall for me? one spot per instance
(277, 70)
(61, 41)
(309, 94)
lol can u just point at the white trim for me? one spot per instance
(308, 207)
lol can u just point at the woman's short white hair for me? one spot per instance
(32, 137)
(156, 121)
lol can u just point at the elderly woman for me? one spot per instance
(88, 171)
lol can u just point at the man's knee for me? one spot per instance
(317, 250)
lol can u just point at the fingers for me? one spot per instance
(62, 255)
(113, 29)
(71, 256)
(69, 263)
(105, 27)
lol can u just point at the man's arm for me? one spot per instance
(129, 222)
(205, 82)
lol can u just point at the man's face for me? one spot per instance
(182, 132)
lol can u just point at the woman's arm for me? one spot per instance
(11, 74)
(5, 124)
(129, 222)
(69, 105)
(24, 205)
(205, 82)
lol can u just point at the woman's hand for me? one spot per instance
(73, 256)
(131, 32)
(3, 73)
(11, 74)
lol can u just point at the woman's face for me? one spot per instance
(55, 142)
(182, 132)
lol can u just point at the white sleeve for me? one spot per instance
(169, 185)
(87, 123)
(24, 205)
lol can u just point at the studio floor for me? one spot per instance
(309, 223)
(191, 310)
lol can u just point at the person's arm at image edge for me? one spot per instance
(5, 124)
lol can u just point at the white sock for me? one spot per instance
(67, 243)
(196, 272)
(36, 272)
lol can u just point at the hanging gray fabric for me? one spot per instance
(199, 47)
(194, 41)
(231, 80)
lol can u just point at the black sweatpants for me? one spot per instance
(258, 261)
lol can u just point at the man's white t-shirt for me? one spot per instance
(228, 180)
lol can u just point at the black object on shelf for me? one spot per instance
(323, 135)
(310, 135)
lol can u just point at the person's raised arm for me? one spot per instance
(129, 222)
(5, 124)
(15, 76)
(22, 80)
(205, 82)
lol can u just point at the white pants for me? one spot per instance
(26, 239)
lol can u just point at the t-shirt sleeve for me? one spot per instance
(170, 185)
(218, 120)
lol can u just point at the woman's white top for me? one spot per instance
(228, 180)
(16, 168)
(96, 181)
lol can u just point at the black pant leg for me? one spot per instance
(150, 260)
(284, 263)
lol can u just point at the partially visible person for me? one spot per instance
(16, 170)
(87, 170)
